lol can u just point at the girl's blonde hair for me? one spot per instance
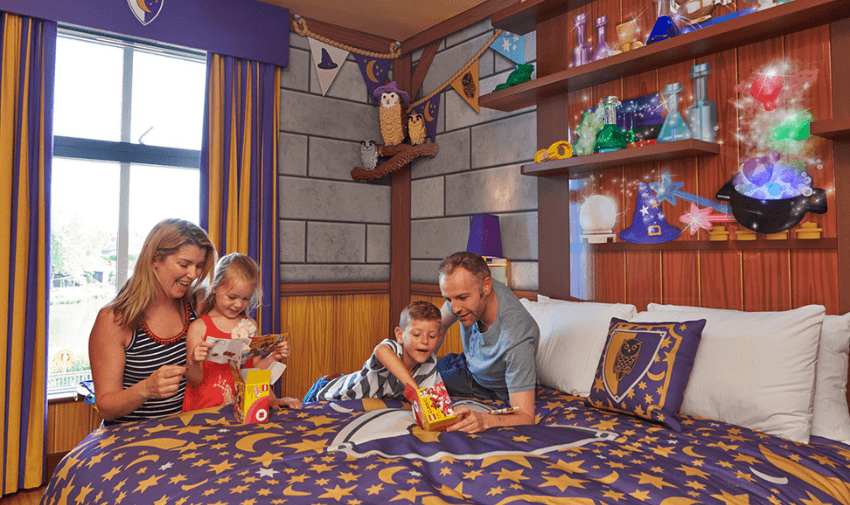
(164, 239)
(235, 266)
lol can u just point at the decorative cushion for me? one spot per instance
(572, 335)
(753, 369)
(645, 367)
(831, 418)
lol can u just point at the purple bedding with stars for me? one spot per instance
(371, 451)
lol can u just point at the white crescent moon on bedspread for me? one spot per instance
(770, 478)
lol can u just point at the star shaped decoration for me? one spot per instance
(267, 472)
(666, 189)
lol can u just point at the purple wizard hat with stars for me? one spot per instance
(649, 225)
(392, 87)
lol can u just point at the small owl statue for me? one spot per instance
(416, 128)
(626, 359)
(368, 155)
(392, 113)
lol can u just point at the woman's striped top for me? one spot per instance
(143, 357)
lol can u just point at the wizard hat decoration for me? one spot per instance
(648, 225)
(392, 87)
(327, 63)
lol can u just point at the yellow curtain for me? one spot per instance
(239, 170)
(26, 104)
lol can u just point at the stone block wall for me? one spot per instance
(477, 169)
(332, 228)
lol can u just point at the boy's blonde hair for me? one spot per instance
(421, 311)
(164, 239)
(235, 266)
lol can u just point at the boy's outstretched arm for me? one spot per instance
(391, 361)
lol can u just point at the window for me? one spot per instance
(128, 122)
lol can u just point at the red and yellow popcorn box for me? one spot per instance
(252, 395)
(432, 407)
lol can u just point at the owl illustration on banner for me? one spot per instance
(416, 128)
(393, 112)
(368, 155)
(626, 358)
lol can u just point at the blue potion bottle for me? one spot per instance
(702, 114)
(674, 127)
(664, 27)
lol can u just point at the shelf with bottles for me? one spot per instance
(836, 129)
(709, 245)
(522, 18)
(762, 25)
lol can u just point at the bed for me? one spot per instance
(371, 451)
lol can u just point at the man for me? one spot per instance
(499, 343)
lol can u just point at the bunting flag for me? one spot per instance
(511, 46)
(327, 60)
(374, 72)
(430, 110)
(467, 86)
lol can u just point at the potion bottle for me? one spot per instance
(581, 52)
(603, 50)
(702, 114)
(674, 127)
(664, 27)
(610, 137)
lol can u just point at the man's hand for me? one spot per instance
(469, 421)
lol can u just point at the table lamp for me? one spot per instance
(485, 239)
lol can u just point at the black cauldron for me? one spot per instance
(771, 216)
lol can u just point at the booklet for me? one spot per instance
(244, 345)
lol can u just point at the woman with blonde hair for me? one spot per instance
(137, 346)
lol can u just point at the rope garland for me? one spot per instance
(299, 26)
(458, 73)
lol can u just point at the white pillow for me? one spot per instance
(753, 369)
(831, 418)
(572, 336)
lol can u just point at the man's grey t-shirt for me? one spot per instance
(502, 358)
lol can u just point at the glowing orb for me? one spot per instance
(597, 214)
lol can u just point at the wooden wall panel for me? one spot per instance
(68, 423)
(721, 285)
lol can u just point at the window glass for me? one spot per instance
(167, 109)
(87, 95)
(83, 228)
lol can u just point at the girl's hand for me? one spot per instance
(290, 403)
(282, 351)
(199, 353)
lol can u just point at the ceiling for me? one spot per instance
(397, 20)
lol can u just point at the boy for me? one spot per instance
(409, 359)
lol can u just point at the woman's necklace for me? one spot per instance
(162, 341)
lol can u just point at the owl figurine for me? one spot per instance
(393, 111)
(368, 155)
(626, 358)
(416, 128)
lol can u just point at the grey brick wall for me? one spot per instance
(334, 229)
(477, 168)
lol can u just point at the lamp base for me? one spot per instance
(500, 269)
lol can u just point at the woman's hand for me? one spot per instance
(164, 383)
(290, 403)
(199, 353)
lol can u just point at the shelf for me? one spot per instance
(837, 129)
(663, 151)
(706, 245)
(767, 24)
(522, 18)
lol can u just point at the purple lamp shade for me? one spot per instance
(485, 236)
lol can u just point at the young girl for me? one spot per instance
(234, 292)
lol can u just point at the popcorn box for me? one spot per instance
(432, 407)
(252, 395)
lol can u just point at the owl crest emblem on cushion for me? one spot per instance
(393, 111)
(626, 358)
(416, 128)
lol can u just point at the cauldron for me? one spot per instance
(771, 216)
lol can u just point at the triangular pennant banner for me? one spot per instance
(374, 72)
(327, 60)
(511, 46)
(467, 85)
(430, 110)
